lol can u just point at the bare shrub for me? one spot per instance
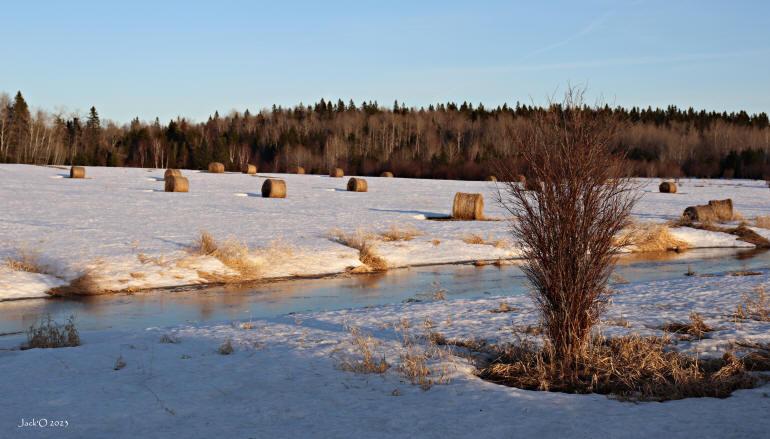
(49, 334)
(754, 307)
(569, 223)
(367, 361)
(629, 368)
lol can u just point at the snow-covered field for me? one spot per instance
(125, 232)
(283, 378)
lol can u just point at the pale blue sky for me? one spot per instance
(169, 58)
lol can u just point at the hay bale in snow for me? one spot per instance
(723, 209)
(667, 187)
(249, 169)
(336, 173)
(700, 213)
(216, 168)
(468, 206)
(298, 170)
(521, 178)
(172, 172)
(77, 172)
(177, 183)
(387, 174)
(357, 185)
(491, 178)
(274, 188)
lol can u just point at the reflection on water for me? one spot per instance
(232, 302)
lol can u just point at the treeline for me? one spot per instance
(440, 141)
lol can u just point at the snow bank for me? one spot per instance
(110, 224)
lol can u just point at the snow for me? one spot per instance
(283, 379)
(120, 228)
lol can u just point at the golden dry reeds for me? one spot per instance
(650, 237)
(49, 334)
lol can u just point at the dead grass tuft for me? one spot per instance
(762, 221)
(427, 364)
(49, 334)
(754, 307)
(696, 327)
(367, 361)
(364, 243)
(232, 253)
(226, 348)
(84, 285)
(396, 233)
(503, 307)
(649, 238)
(26, 261)
(629, 368)
(480, 240)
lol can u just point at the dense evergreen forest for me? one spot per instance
(440, 141)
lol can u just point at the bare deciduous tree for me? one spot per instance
(568, 224)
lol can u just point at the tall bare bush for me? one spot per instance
(569, 222)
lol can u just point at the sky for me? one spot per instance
(166, 59)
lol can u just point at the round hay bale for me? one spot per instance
(274, 188)
(723, 209)
(298, 170)
(521, 179)
(468, 206)
(357, 185)
(387, 174)
(667, 187)
(699, 213)
(177, 183)
(491, 178)
(336, 173)
(249, 169)
(172, 172)
(77, 172)
(216, 168)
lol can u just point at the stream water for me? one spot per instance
(165, 308)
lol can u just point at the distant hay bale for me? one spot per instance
(248, 169)
(667, 187)
(274, 188)
(298, 170)
(723, 209)
(699, 213)
(336, 173)
(491, 178)
(175, 183)
(357, 185)
(216, 168)
(172, 172)
(521, 178)
(77, 172)
(468, 206)
(387, 174)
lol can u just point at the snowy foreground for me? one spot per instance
(283, 379)
(120, 228)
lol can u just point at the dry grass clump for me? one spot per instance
(364, 243)
(367, 361)
(696, 327)
(650, 238)
(396, 233)
(49, 334)
(226, 348)
(231, 253)
(503, 307)
(26, 261)
(85, 284)
(480, 240)
(754, 308)
(762, 221)
(630, 368)
(423, 365)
